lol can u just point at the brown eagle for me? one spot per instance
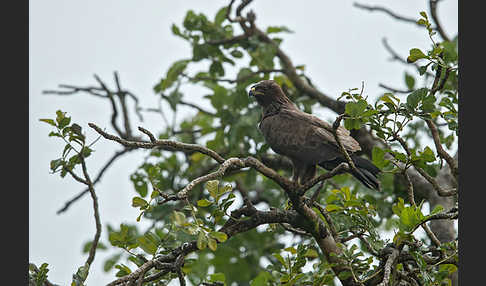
(305, 139)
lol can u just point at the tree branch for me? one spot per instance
(386, 11)
(97, 179)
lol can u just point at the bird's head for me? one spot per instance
(268, 92)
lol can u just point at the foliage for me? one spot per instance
(356, 216)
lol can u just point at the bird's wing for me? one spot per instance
(323, 129)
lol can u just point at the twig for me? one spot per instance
(239, 79)
(121, 95)
(164, 144)
(433, 14)
(426, 228)
(335, 126)
(442, 153)
(195, 106)
(336, 171)
(114, 115)
(97, 179)
(96, 239)
(396, 56)
(386, 11)
(294, 230)
(327, 217)
(430, 179)
(219, 173)
(394, 89)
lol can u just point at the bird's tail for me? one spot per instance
(366, 172)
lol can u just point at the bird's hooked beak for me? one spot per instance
(254, 92)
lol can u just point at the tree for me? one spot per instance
(218, 197)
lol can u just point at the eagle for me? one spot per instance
(305, 139)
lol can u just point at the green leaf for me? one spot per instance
(49, 121)
(350, 123)
(217, 277)
(262, 279)
(202, 240)
(236, 54)
(123, 270)
(77, 129)
(154, 194)
(409, 81)
(416, 96)
(174, 98)
(216, 68)
(226, 189)
(437, 209)
(450, 51)
(110, 262)
(415, 54)
(356, 108)
(172, 74)
(291, 249)
(427, 155)
(212, 244)
(179, 218)
(344, 275)
(220, 236)
(87, 246)
(280, 259)
(148, 243)
(448, 268)
(331, 208)
(176, 31)
(278, 29)
(220, 16)
(212, 187)
(423, 69)
(139, 202)
(62, 120)
(300, 67)
(204, 203)
(311, 253)
(56, 164)
(378, 157)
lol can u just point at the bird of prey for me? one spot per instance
(305, 139)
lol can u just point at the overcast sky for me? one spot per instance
(69, 41)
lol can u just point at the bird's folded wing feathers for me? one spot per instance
(324, 129)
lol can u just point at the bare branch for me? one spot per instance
(442, 153)
(430, 179)
(163, 144)
(336, 171)
(92, 192)
(386, 11)
(240, 79)
(97, 179)
(195, 106)
(433, 14)
(394, 89)
(397, 57)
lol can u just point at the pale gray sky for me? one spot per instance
(69, 41)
